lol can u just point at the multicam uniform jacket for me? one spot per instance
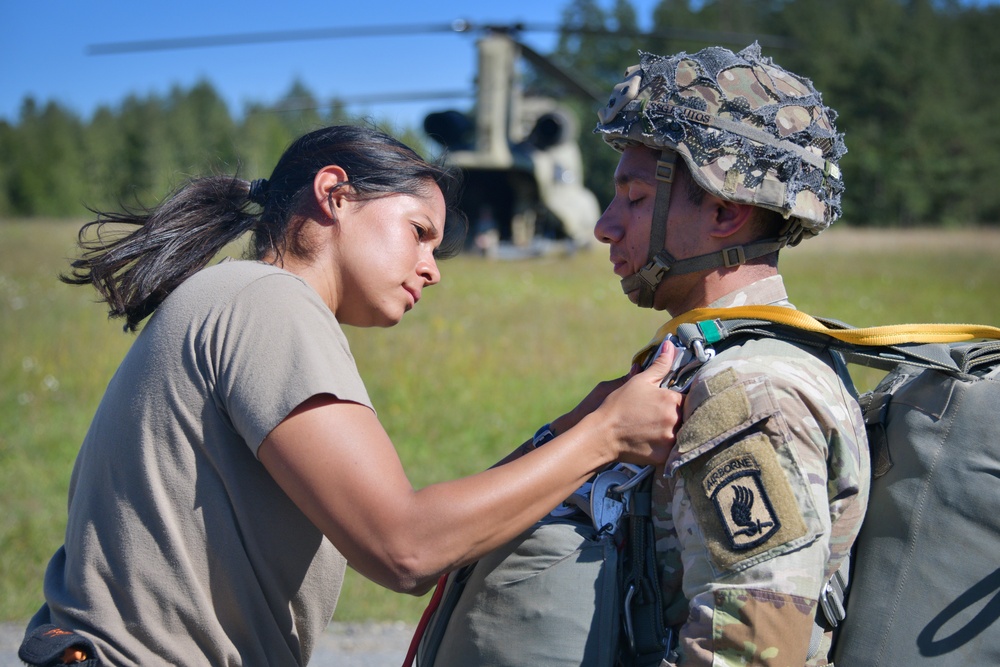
(760, 500)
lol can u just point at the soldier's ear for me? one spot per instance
(730, 218)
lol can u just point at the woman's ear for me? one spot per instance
(330, 189)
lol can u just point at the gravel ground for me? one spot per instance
(342, 645)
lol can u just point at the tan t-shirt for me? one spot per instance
(180, 548)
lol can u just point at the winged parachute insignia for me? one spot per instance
(741, 512)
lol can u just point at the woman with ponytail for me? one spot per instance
(236, 464)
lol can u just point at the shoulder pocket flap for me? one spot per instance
(720, 417)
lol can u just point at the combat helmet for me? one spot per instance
(749, 132)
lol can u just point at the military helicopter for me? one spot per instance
(519, 152)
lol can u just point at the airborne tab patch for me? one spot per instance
(744, 503)
(741, 501)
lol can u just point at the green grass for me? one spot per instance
(494, 351)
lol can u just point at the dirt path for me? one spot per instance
(342, 645)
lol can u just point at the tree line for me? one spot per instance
(915, 83)
(56, 165)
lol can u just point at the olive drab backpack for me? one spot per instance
(924, 582)
(924, 577)
(504, 610)
(578, 588)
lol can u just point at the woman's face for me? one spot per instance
(386, 255)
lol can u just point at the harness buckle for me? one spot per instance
(608, 500)
(734, 256)
(831, 600)
(665, 171)
(652, 273)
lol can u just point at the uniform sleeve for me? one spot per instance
(753, 502)
(274, 346)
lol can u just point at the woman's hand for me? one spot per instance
(643, 418)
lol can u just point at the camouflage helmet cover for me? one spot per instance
(749, 131)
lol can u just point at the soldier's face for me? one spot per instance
(625, 224)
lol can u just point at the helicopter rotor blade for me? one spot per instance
(573, 82)
(237, 39)
(456, 26)
(393, 98)
(297, 104)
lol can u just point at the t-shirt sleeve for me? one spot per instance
(273, 346)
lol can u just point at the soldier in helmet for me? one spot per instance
(725, 159)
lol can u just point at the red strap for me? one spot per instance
(425, 619)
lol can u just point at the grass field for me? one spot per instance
(494, 351)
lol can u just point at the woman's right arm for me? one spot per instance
(336, 462)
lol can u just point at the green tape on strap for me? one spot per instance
(710, 330)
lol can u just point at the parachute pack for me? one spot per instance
(554, 596)
(924, 584)
(578, 588)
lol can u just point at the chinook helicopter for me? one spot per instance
(518, 152)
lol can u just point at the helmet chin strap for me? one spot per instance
(660, 262)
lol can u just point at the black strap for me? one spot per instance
(650, 639)
(666, 171)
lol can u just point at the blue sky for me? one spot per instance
(43, 50)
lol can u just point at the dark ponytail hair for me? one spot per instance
(135, 272)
